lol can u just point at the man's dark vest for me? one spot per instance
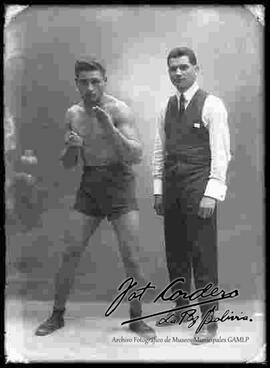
(187, 150)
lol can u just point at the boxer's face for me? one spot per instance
(91, 85)
(182, 73)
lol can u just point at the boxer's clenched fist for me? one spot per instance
(73, 139)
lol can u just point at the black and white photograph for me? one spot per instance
(134, 183)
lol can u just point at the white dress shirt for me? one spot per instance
(215, 119)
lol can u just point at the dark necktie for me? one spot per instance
(182, 104)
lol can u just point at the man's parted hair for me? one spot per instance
(182, 51)
(88, 64)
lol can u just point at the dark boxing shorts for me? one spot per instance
(107, 191)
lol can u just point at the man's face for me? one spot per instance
(182, 73)
(91, 85)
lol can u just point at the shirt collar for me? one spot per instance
(189, 93)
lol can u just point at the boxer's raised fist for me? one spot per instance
(73, 139)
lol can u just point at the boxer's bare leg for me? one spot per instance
(76, 240)
(126, 227)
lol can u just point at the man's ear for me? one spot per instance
(105, 78)
(197, 69)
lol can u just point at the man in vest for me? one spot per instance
(190, 161)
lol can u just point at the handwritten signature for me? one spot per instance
(207, 294)
(209, 317)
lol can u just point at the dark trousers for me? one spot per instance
(191, 243)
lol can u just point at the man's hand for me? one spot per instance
(207, 207)
(104, 119)
(158, 204)
(73, 139)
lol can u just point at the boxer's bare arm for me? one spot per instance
(127, 137)
(124, 135)
(73, 142)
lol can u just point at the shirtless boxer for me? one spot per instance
(101, 131)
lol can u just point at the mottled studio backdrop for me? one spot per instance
(41, 45)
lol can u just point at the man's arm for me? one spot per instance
(73, 142)
(215, 117)
(125, 136)
(158, 162)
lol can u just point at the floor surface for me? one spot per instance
(89, 336)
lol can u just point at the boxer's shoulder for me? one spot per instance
(75, 111)
(78, 107)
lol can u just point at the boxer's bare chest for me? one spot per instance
(88, 126)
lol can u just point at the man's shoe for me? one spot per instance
(142, 329)
(52, 324)
(171, 319)
(205, 335)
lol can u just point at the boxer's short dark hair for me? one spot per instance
(88, 64)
